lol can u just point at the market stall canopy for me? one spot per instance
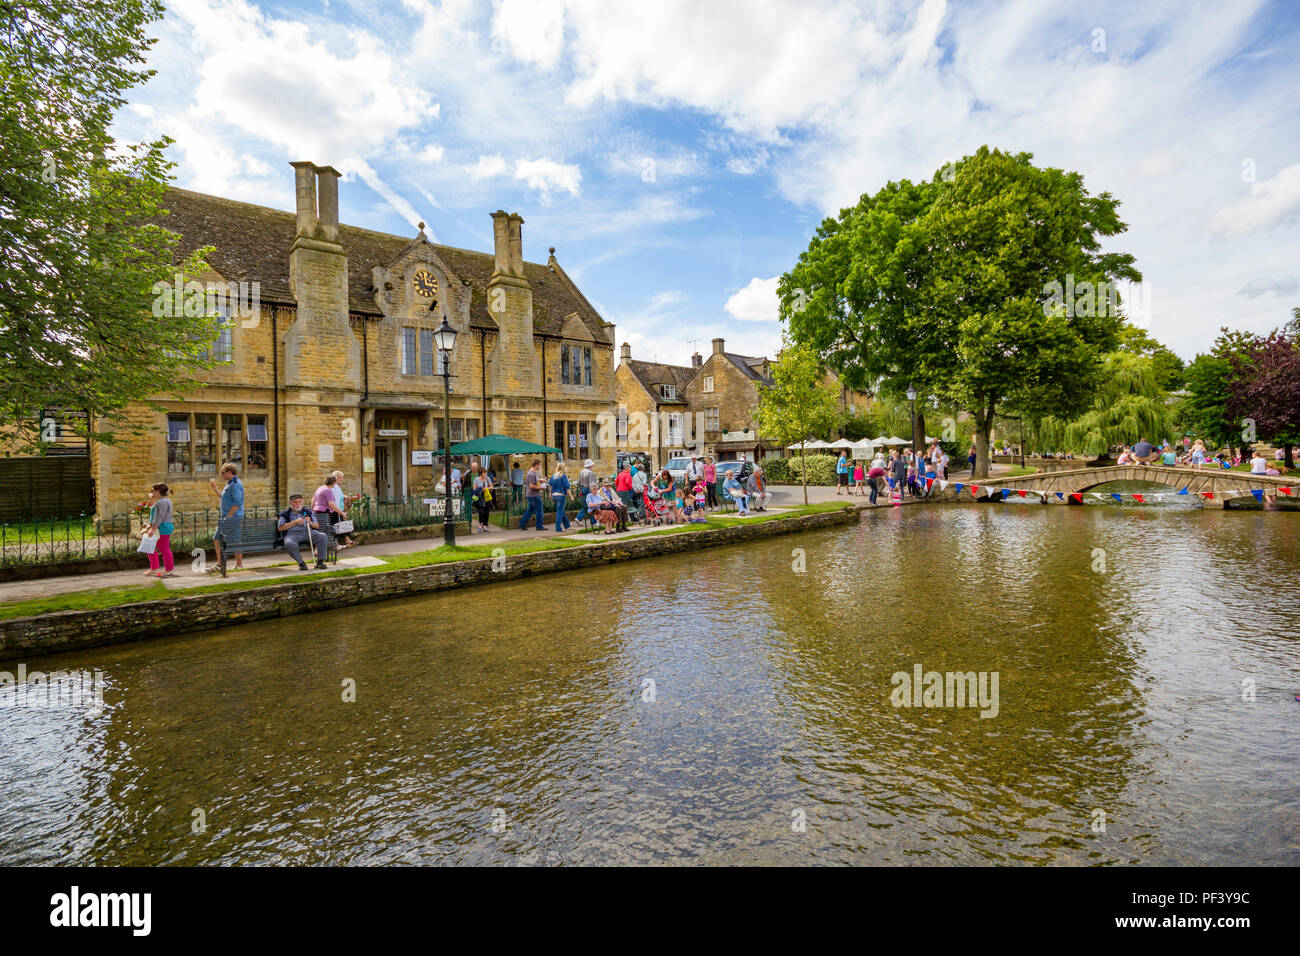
(811, 443)
(500, 445)
(893, 440)
(840, 443)
(865, 446)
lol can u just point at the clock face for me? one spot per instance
(426, 284)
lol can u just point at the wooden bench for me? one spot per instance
(261, 535)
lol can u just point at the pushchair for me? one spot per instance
(657, 510)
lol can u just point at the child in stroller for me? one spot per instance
(657, 511)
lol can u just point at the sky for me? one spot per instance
(680, 155)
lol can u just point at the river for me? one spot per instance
(730, 706)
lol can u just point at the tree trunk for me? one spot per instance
(983, 425)
(803, 474)
(1287, 457)
(918, 435)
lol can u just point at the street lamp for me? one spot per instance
(911, 401)
(445, 338)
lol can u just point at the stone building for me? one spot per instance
(335, 366)
(709, 407)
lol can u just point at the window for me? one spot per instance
(711, 419)
(426, 351)
(232, 440)
(622, 422)
(205, 444)
(457, 431)
(669, 392)
(178, 444)
(586, 366)
(194, 442)
(256, 443)
(674, 428)
(708, 383)
(408, 351)
(471, 429)
(222, 348)
(564, 365)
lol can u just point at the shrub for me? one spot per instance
(821, 469)
(778, 470)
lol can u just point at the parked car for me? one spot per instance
(677, 467)
(742, 470)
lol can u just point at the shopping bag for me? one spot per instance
(147, 544)
(343, 527)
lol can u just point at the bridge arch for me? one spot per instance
(1210, 485)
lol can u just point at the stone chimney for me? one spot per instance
(625, 353)
(719, 346)
(316, 191)
(697, 360)
(517, 244)
(508, 243)
(304, 179)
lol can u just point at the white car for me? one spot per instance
(677, 467)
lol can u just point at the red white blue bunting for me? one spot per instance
(1080, 496)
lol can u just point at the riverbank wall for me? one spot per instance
(61, 631)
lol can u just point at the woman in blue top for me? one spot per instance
(160, 523)
(559, 484)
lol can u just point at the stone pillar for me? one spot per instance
(515, 362)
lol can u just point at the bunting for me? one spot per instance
(1142, 497)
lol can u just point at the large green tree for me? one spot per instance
(80, 327)
(1165, 363)
(985, 287)
(798, 405)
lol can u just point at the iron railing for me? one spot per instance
(56, 540)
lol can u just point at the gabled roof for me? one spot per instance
(653, 374)
(252, 244)
(751, 365)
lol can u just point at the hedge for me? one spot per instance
(820, 469)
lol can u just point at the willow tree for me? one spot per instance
(1129, 405)
(797, 405)
(986, 287)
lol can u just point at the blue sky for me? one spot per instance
(679, 155)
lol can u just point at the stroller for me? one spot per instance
(657, 510)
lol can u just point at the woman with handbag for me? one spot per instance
(342, 524)
(482, 496)
(160, 524)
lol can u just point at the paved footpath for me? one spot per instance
(277, 564)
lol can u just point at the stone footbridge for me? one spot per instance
(1212, 486)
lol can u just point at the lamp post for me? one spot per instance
(911, 401)
(445, 337)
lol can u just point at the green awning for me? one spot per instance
(501, 445)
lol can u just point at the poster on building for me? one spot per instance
(421, 457)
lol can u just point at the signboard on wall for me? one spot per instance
(368, 465)
(392, 432)
(421, 457)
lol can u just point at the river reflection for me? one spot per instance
(721, 707)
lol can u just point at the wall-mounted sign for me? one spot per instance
(438, 506)
(392, 433)
(324, 453)
(368, 465)
(421, 457)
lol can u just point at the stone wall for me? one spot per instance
(73, 630)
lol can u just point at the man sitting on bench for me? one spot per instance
(296, 525)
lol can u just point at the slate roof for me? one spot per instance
(750, 365)
(654, 374)
(252, 244)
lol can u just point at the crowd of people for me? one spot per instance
(635, 494)
(903, 472)
(1194, 454)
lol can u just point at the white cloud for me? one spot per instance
(1285, 286)
(1267, 204)
(756, 302)
(487, 167)
(544, 175)
(532, 30)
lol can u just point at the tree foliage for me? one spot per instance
(1264, 389)
(1166, 364)
(946, 284)
(1129, 406)
(797, 406)
(78, 257)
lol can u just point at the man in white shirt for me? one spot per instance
(1258, 463)
(694, 472)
